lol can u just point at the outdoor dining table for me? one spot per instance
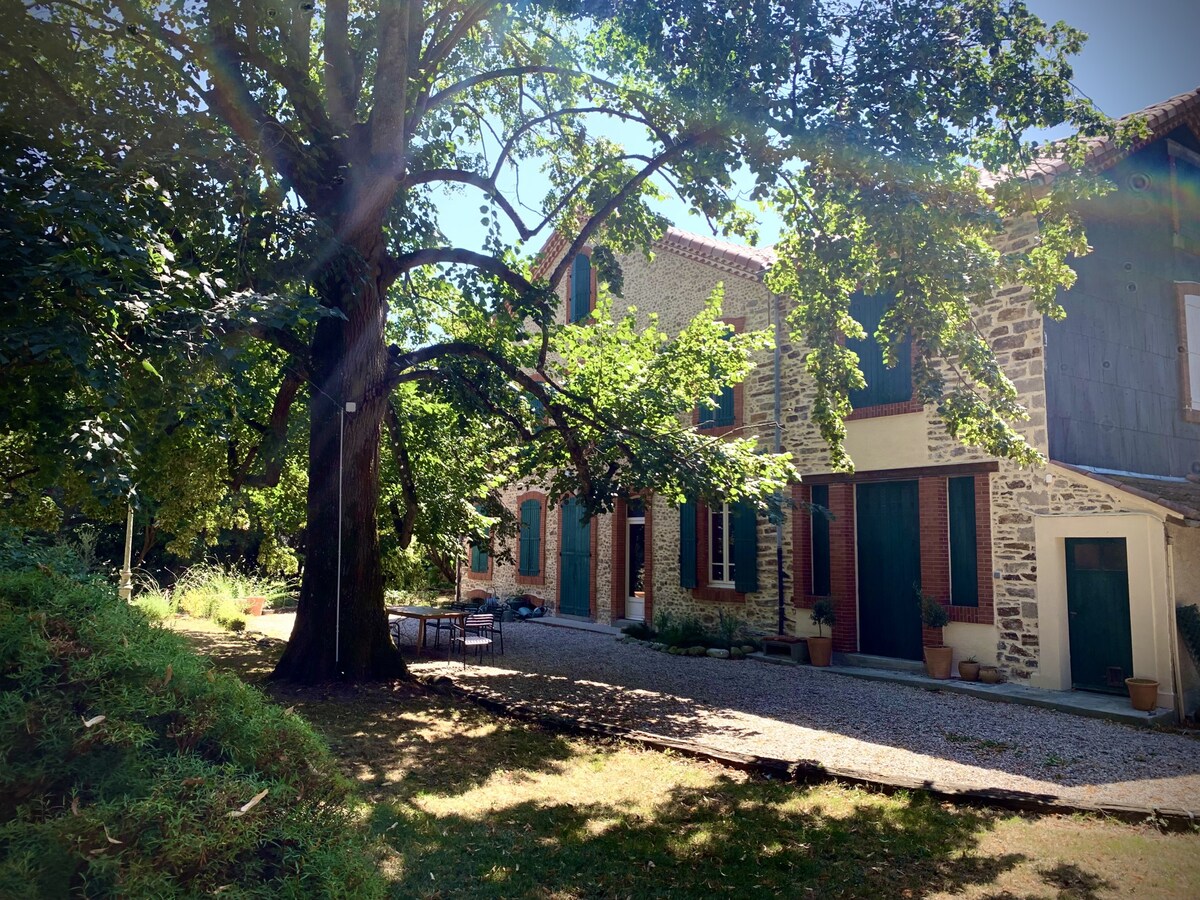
(423, 614)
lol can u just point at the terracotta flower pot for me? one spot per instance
(1143, 693)
(820, 650)
(968, 670)
(989, 674)
(938, 660)
(254, 605)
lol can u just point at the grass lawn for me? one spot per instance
(473, 805)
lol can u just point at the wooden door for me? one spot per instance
(1098, 614)
(889, 565)
(575, 570)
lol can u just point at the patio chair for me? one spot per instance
(440, 625)
(473, 634)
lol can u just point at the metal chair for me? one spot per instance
(471, 635)
(440, 625)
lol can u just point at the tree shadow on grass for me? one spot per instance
(730, 838)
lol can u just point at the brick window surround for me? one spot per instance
(934, 541)
(540, 578)
(491, 563)
(739, 325)
(620, 519)
(703, 591)
(911, 405)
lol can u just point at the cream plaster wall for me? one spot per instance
(1150, 608)
(1185, 569)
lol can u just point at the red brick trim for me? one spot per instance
(704, 591)
(540, 578)
(913, 474)
(491, 558)
(477, 595)
(933, 503)
(911, 405)
(843, 571)
(620, 519)
(739, 325)
(985, 612)
(885, 409)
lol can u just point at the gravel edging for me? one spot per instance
(809, 772)
(877, 732)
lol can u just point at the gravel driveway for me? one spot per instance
(800, 713)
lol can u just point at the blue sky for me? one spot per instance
(1139, 52)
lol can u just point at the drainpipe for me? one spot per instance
(1172, 626)
(780, 574)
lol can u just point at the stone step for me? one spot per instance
(867, 661)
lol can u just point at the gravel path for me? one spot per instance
(800, 713)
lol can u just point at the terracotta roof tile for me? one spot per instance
(1178, 495)
(1162, 118)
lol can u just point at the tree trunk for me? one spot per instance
(349, 640)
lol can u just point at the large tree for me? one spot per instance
(328, 139)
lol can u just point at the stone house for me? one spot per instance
(1066, 576)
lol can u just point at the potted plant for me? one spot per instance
(820, 648)
(1143, 693)
(934, 615)
(254, 605)
(968, 669)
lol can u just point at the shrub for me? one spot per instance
(211, 592)
(639, 630)
(125, 763)
(823, 615)
(933, 614)
(157, 605)
(686, 632)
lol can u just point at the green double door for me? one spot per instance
(575, 554)
(889, 565)
(1098, 614)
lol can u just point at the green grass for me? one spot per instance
(469, 804)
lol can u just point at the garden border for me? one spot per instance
(812, 772)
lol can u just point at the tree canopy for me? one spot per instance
(307, 150)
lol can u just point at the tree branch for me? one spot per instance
(486, 185)
(274, 442)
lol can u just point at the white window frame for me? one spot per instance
(726, 562)
(1189, 328)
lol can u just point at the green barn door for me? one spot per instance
(889, 564)
(575, 583)
(1098, 614)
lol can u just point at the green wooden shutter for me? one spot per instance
(479, 554)
(531, 538)
(723, 415)
(581, 287)
(884, 385)
(687, 544)
(745, 547)
(820, 542)
(964, 566)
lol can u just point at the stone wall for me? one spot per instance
(675, 285)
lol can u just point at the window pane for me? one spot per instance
(820, 542)
(964, 566)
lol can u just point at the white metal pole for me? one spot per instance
(337, 628)
(125, 589)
